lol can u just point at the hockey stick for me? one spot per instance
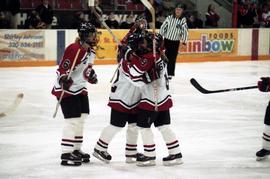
(205, 91)
(13, 106)
(63, 91)
(91, 4)
(149, 6)
(99, 17)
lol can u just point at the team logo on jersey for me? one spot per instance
(66, 64)
(87, 71)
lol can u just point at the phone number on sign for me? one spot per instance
(26, 44)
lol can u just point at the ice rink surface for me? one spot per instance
(219, 133)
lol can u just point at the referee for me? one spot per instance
(174, 29)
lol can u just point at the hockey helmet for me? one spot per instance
(85, 30)
(150, 39)
(135, 40)
(141, 21)
(140, 17)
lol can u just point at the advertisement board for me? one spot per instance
(203, 43)
(107, 47)
(210, 43)
(19, 45)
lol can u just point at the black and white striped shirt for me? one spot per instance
(175, 29)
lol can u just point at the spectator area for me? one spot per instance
(122, 5)
(56, 4)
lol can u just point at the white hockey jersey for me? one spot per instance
(124, 96)
(130, 90)
(156, 93)
(80, 73)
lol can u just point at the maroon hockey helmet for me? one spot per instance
(141, 22)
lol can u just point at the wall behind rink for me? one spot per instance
(45, 47)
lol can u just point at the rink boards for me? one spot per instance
(45, 47)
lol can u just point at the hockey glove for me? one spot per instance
(92, 77)
(264, 84)
(66, 83)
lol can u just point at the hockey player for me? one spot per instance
(264, 86)
(75, 104)
(139, 27)
(131, 151)
(124, 97)
(140, 69)
(156, 92)
(123, 104)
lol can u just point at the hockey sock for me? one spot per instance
(266, 137)
(267, 115)
(131, 139)
(170, 139)
(148, 142)
(70, 126)
(106, 136)
(79, 132)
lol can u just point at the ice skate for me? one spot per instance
(143, 161)
(70, 159)
(133, 158)
(85, 156)
(102, 155)
(262, 154)
(173, 160)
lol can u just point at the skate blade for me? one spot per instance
(146, 164)
(130, 160)
(71, 163)
(173, 162)
(100, 158)
(86, 160)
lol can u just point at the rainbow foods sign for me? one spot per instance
(210, 43)
(205, 45)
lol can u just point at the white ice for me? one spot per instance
(219, 133)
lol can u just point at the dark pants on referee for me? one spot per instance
(171, 53)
